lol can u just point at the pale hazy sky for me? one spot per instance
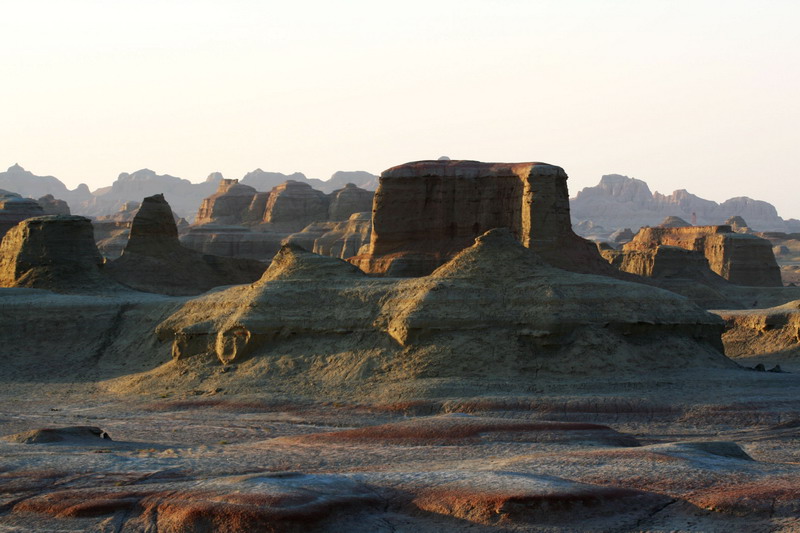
(702, 95)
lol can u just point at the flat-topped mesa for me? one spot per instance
(228, 205)
(741, 259)
(427, 211)
(53, 252)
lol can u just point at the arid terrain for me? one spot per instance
(471, 365)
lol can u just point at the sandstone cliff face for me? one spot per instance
(155, 261)
(741, 259)
(55, 252)
(426, 212)
(494, 311)
(226, 206)
(336, 239)
(233, 241)
(774, 331)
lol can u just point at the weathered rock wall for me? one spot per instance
(426, 212)
(739, 258)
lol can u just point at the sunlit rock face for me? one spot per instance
(427, 211)
(740, 258)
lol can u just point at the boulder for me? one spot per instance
(426, 212)
(154, 260)
(54, 252)
(739, 258)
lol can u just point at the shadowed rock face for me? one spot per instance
(53, 206)
(351, 199)
(673, 222)
(293, 205)
(14, 209)
(426, 212)
(155, 261)
(55, 252)
(739, 258)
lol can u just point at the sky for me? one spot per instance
(700, 95)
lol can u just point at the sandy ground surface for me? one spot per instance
(684, 452)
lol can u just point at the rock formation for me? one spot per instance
(27, 184)
(336, 239)
(54, 252)
(739, 258)
(621, 236)
(348, 200)
(53, 206)
(155, 261)
(758, 332)
(619, 201)
(293, 205)
(14, 209)
(226, 206)
(673, 222)
(493, 312)
(426, 212)
(233, 241)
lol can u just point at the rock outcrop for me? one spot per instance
(27, 184)
(155, 261)
(14, 209)
(739, 258)
(336, 239)
(759, 332)
(426, 212)
(348, 200)
(226, 206)
(233, 241)
(673, 222)
(494, 312)
(619, 201)
(54, 252)
(53, 206)
(293, 205)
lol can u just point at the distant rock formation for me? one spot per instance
(238, 221)
(336, 239)
(154, 260)
(53, 206)
(427, 211)
(619, 201)
(348, 200)
(495, 311)
(26, 184)
(739, 258)
(673, 222)
(54, 252)
(181, 193)
(265, 181)
(621, 236)
(227, 205)
(14, 209)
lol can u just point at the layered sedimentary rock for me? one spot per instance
(293, 205)
(739, 258)
(774, 331)
(336, 239)
(426, 212)
(226, 206)
(54, 252)
(494, 312)
(351, 199)
(155, 261)
(14, 209)
(233, 241)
